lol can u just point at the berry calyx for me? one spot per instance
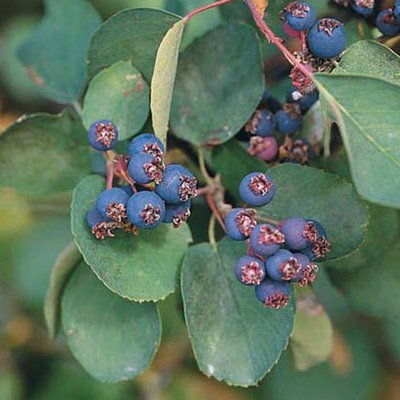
(299, 15)
(272, 294)
(146, 168)
(146, 143)
(289, 120)
(250, 270)
(103, 135)
(264, 148)
(282, 266)
(262, 123)
(266, 239)
(240, 222)
(177, 214)
(257, 189)
(308, 270)
(363, 7)
(111, 204)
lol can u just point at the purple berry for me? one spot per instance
(177, 214)
(145, 210)
(266, 239)
(257, 189)
(239, 223)
(111, 203)
(299, 15)
(308, 271)
(273, 294)
(264, 148)
(250, 270)
(103, 135)
(282, 266)
(146, 143)
(146, 168)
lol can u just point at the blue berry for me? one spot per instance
(177, 214)
(273, 294)
(282, 266)
(396, 11)
(363, 7)
(128, 189)
(308, 271)
(266, 239)
(93, 217)
(299, 15)
(239, 223)
(146, 143)
(178, 184)
(145, 168)
(111, 203)
(250, 270)
(145, 210)
(103, 135)
(257, 189)
(327, 38)
(262, 123)
(289, 119)
(387, 24)
(305, 102)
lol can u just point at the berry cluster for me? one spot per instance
(278, 253)
(155, 193)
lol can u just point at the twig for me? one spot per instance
(205, 8)
(211, 232)
(213, 208)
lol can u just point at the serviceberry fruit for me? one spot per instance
(396, 10)
(289, 119)
(327, 38)
(240, 222)
(103, 135)
(145, 210)
(282, 266)
(93, 217)
(264, 148)
(299, 15)
(111, 203)
(298, 151)
(146, 143)
(177, 214)
(146, 168)
(307, 272)
(363, 7)
(305, 102)
(262, 123)
(266, 239)
(387, 23)
(177, 185)
(250, 270)
(257, 189)
(273, 294)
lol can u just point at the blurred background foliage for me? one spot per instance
(365, 361)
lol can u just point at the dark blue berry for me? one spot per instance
(327, 38)
(262, 123)
(128, 189)
(288, 122)
(273, 294)
(111, 203)
(250, 270)
(239, 223)
(146, 143)
(146, 168)
(266, 239)
(257, 189)
(396, 10)
(308, 271)
(387, 24)
(299, 15)
(145, 210)
(305, 102)
(282, 266)
(177, 214)
(363, 7)
(93, 217)
(178, 184)
(103, 135)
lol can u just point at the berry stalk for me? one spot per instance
(205, 8)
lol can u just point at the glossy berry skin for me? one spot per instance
(128, 189)
(265, 240)
(387, 24)
(257, 189)
(292, 229)
(327, 38)
(177, 213)
(145, 210)
(282, 266)
(93, 217)
(146, 143)
(103, 135)
(239, 223)
(360, 9)
(287, 125)
(266, 125)
(108, 197)
(273, 294)
(305, 102)
(145, 168)
(299, 15)
(250, 270)
(178, 184)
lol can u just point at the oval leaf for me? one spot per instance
(140, 268)
(62, 270)
(219, 84)
(56, 65)
(234, 337)
(162, 83)
(112, 338)
(129, 35)
(120, 94)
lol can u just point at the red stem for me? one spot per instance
(213, 208)
(110, 175)
(272, 38)
(205, 8)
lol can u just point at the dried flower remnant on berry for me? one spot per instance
(252, 125)
(294, 150)
(116, 212)
(289, 269)
(180, 219)
(328, 25)
(103, 230)
(105, 133)
(252, 274)
(246, 221)
(296, 9)
(321, 247)
(269, 235)
(309, 275)
(260, 185)
(301, 82)
(292, 109)
(187, 187)
(277, 300)
(150, 214)
(154, 169)
(153, 149)
(365, 3)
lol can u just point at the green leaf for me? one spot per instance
(55, 54)
(312, 339)
(62, 270)
(133, 35)
(234, 337)
(303, 191)
(368, 126)
(140, 268)
(120, 94)
(43, 153)
(162, 83)
(219, 84)
(114, 339)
